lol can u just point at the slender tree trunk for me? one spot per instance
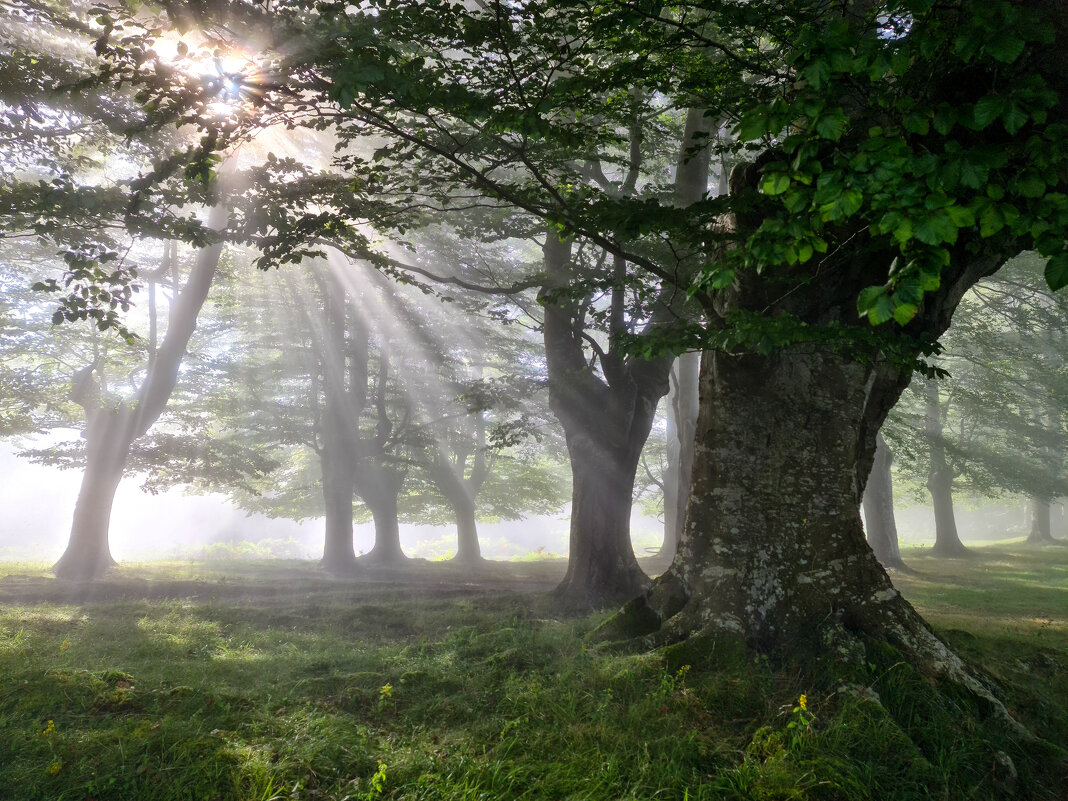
(940, 481)
(879, 519)
(1041, 530)
(672, 519)
(112, 428)
(108, 440)
(682, 429)
(342, 356)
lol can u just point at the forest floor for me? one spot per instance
(268, 681)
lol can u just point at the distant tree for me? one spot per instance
(998, 428)
(880, 524)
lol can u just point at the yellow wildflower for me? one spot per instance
(803, 702)
(51, 728)
(57, 766)
(63, 646)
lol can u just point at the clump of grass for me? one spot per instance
(331, 690)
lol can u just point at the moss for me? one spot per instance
(635, 619)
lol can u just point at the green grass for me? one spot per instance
(258, 681)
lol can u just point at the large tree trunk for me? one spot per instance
(681, 430)
(879, 521)
(940, 481)
(112, 427)
(1041, 530)
(773, 553)
(774, 538)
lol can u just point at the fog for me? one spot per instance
(37, 502)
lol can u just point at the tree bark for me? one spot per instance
(468, 551)
(940, 481)
(339, 475)
(774, 538)
(112, 427)
(607, 420)
(601, 565)
(1041, 530)
(379, 488)
(108, 440)
(879, 519)
(773, 554)
(606, 423)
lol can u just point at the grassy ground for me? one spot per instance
(258, 681)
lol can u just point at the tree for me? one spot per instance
(112, 426)
(896, 153)
(997, 429)
(878, 501)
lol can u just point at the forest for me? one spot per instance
(533, 399)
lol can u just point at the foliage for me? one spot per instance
(1005, 393)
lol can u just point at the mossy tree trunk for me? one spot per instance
(773, 553)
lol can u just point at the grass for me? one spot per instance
(268, 681)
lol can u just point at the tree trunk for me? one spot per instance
(773, 554)
(1041, 530)
(339, 340)
(468, 551)
(940, 481)
(682, 428)
(387, 548)
(108, 440)
(339, 556)
(601, 567)
(879, 519)
(112, 427)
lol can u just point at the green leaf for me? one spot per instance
(990, 221)
(1014, 118)
(831, 125)
(1057, 271)
(775, 183)
(961, 216)
(916, 123)
(1030, 184)
(867, 298)
(844, 205)
(936, 228)
(817, 73)
(752, 126)
(987, 110)
(1006, 46)
(904, 312)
